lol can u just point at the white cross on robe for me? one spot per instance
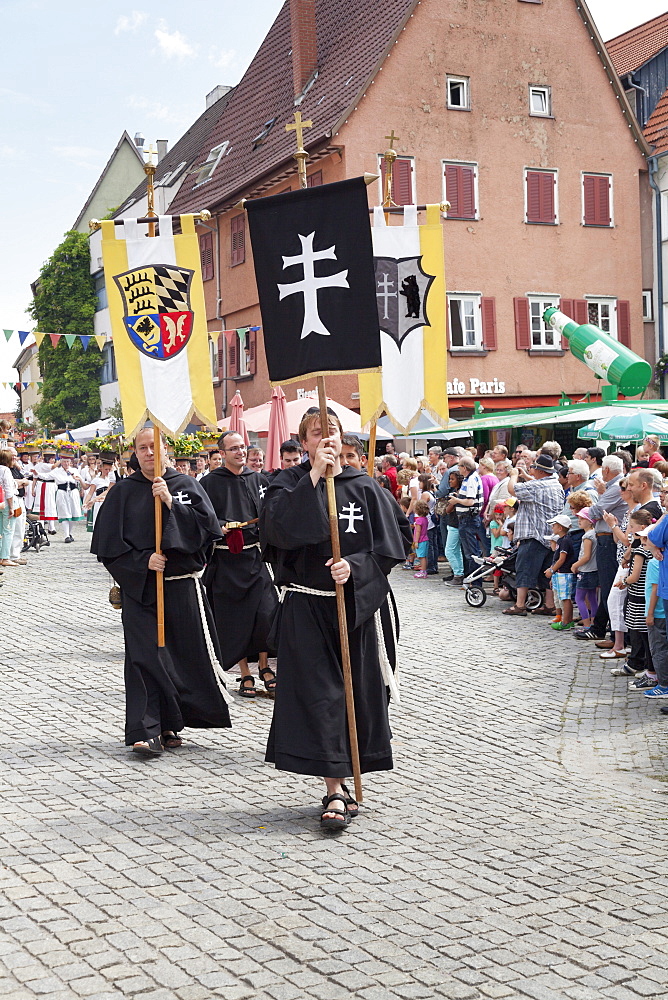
(182, 497)
(349, 513)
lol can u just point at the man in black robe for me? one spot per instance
(237, 581)
(181, 683)
(309, 731)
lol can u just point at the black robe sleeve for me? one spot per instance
(294, 512)
(192, 526)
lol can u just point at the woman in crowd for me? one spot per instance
(6, 507)
(487, 478)
(617, 595)
(453, 549)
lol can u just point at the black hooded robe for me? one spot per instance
(242, 595)
(309, 731)
(174, 686)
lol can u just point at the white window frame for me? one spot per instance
(400, 156)
(466, 83)
(596, 173)
(206, 170)
(647, 305)
(213, 358)
(243, 357)
(540, 170)
(535, 88)
(476, 299)
(604, 300)
(544, 301)
(463, 163)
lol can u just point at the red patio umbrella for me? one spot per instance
(278, 429)
(237, 423)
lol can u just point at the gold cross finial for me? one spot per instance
(151, 152)
(298, 126)
(392, 138)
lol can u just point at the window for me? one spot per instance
(238, 239)
(314, 180)
(403, 180)
(241, 356)
(543, 338)
(596, 200)
(540, 102)
(206, 169)
(465, 322)
(266, 129)
(108, 370)
(460, 188)
(603, 314)
(100, 292)
(213, 358)
(206, 255)
(647, 305)
(458, 93)
(541, 197)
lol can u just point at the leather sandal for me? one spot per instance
(247, 691)
(170, 739)
(351, 804)
(150, 748)
(334, 819)
(515, 611)
(269, 685)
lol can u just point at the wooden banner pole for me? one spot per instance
(370, 465)
(341, 602)
(159, 576)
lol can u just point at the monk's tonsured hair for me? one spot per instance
(312, 416)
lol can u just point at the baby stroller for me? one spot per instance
(475, 593)
(35, 536)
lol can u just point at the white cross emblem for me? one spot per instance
(349, 513)
(182, 497)
(385, 293)
(262, 490)
(310, 285)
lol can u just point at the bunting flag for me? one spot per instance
(410, 290)
(158, 322)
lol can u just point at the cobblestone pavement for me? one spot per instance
(518, 849)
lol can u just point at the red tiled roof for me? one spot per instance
(656, 129)
(636, 47)
(353, 38)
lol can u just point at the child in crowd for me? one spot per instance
(496, 539)
(561, 571)
(579, 500)
(421, 537)
(404, 503)
(639, 660)
(586, 569)
(656, 630)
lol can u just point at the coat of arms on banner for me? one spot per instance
(158, 316)
(402, 289)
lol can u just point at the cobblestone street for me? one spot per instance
(517, 850)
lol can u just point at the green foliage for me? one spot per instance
(65, 303)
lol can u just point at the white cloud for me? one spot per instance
(173, 44)
(222, 58)
(130, 22)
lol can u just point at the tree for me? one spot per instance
(65, 302)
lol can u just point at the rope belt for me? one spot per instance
(253, 545)
(297, 588)
(218, 671)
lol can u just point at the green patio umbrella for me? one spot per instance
(626, 425)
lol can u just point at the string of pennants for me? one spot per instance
(20, 385)
(69, 338)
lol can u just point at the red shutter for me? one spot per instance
(233, 357)
(596, 200)
(402, 180)
(453, 191)
(314, 180)
(624, 323)
(566, 307)
(540, 196)
(221, 357)
(238, 234)
(522, 324)
(468, 192)
(252, 349)
(460, 191)
(581, 310)
(206, 255)
(488, 305)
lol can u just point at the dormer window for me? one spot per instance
(259, 139)
(206, 169)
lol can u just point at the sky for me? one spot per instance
(74, 75)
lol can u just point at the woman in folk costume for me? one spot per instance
(97, 491)
(44, 491)
(68, 498)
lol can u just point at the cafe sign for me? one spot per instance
(476, 387)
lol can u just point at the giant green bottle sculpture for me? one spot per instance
(607, 358)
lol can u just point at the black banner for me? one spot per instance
(315, 277)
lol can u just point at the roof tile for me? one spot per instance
(656, 129)
(634, 48)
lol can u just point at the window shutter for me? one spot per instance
(581, 311)
(540, 196)
(402, 180)
(252, 347)
(567, 308)
(533, 197)
(603, 201)
(468, 192)
(522, 324)
(206, 255)
(233, 357)
(547, 197)
(488, 305)
(453, 191)
(624, 323)
(596, 200)
(314, 180)
(221, 356)
(460, 191)
(238, 233)
(589, 184)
